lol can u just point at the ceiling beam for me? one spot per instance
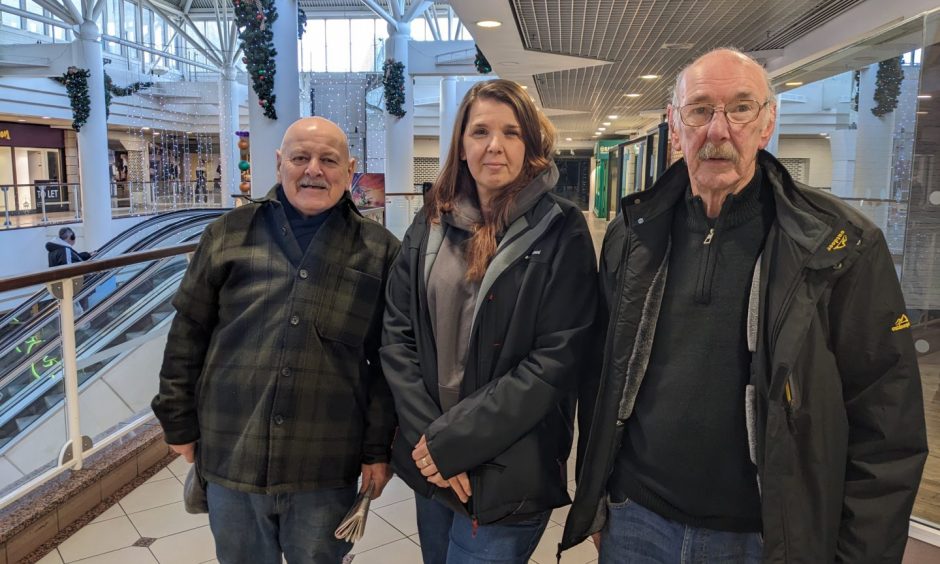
(432, 25)
(380, 12)
(60, 11)
(416, 9)
(395, 8)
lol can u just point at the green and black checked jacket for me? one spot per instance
(271, 363)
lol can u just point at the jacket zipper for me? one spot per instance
(705, 269)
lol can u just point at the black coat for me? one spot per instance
(835, 413)
(57, 253)
(512, 430)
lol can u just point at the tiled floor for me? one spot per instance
(152, 515)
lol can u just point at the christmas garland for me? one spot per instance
(76, 85)
(111, 90)
(301, 23)
(482, 65)
(254, 19)
(393, 79)
(887, 86)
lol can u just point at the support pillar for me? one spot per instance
(228, 143)
(93, 146)
(399, 132)
(448, 115)
(266, 134)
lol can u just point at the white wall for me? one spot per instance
(818, 153)
(426, 147)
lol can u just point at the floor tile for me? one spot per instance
(167, 520)
(560, 514)
(98, 538)
(548, 547)
(133, 554)
(378, 533)
(163, 474)
(394, 492)
(51, 558)
(401, 515)
(179, 467)
(150, 495)
(415, 539)
(399, 552)
(110, 513)
(190, 547)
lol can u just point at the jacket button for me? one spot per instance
(303, 274)
(285, 371)
(294, 320)
(284, 230)
(278, 420)
(640, 221)
(636, 201)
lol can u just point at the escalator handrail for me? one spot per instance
(189, 217)
(92, 280)
(42, 385)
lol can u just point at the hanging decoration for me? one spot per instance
(254, 19)
(244, 166)
(482, 65)
(76, 85)
(111, 90)
(887, 86)
(393, 79)
(301, 23)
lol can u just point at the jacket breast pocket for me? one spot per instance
(347, 304)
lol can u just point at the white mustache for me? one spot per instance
(313, 184)
(710, 151)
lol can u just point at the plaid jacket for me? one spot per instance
(271, 363)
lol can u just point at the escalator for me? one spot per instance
(118, 306)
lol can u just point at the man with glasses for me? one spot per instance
(759, 397)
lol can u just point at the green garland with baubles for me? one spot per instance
(301, 23)
(254, 19)
(76, 86)
(887, 86)
(393, 79)
(483, 66)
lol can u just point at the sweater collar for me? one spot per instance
(735, 210)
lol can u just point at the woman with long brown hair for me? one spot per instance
(489, 314)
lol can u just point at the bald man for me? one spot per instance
(759, 398)
(271, 381)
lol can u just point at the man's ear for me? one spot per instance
(277, 166)
(352, 167)
(672, 115)
(768, 130)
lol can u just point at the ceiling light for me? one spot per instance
(21, 120)
(823, 134)
(46, 117)
(613, 116)
(921, 113)
(489, 23)
(567, 138)
(606, 123)
(649, 76)
(156, 133)
(602, 129)
(924, 96)
(632, 95)
(795, 83)
(145, 129)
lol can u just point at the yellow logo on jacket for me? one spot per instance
(839, 242)
(902, 323)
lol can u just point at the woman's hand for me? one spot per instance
(422, 458)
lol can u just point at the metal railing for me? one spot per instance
(40, 198)
(63, 283)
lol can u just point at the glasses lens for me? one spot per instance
(742, 111)
(695, 115)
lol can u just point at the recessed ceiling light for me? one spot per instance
(156, 133)
(21, 120)
(606, 123)
(649, 76)
(602, 129)
(795, 83)
(632, 95)
(921, 113)
(489, 23)
(145, 129)
(46, 117)
(567, 138)
(824, 134)
(924, 96)
(613, 116)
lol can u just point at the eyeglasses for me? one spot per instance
(739, 112)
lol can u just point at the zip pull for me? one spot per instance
(709, 237)
(474, 525)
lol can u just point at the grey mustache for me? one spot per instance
(710, 151)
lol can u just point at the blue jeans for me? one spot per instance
(448, 538)
(636, 535)
(257, 528)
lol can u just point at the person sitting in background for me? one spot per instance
(61, 249)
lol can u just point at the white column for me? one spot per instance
(448, 114)
(266, 134)
(399, 132)
(228, 143)
(93, 146)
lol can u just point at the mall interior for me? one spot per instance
(136, 123)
